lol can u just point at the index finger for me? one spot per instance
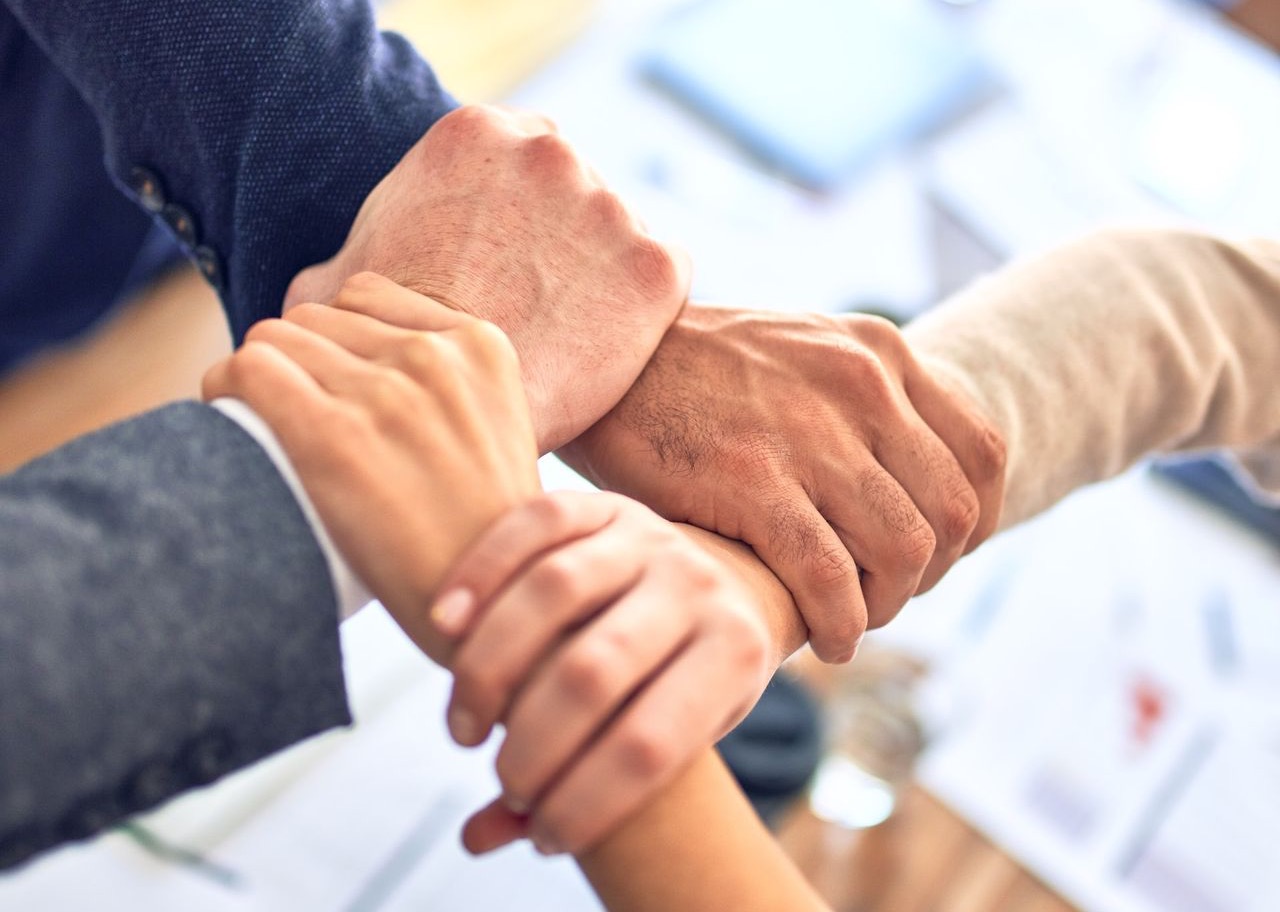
(800, 546)
(517, 538)
(377, 296)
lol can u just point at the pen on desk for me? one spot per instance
(163, 850)
(1194, 756)
(1220, 635)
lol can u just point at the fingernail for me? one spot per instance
(464, 726)
(515, 805)
(453, 610)
(545, 844)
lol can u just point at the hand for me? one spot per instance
(613, 647)
(493, 214)
(820, 442)
(408, 441)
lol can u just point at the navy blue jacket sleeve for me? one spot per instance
(166, 617)
(255, 130)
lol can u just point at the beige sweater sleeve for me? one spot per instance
(1116, 346)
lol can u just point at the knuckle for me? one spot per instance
(306, 314)
(354, 425)
(387, 391)
(585, 674)
(651, 265)
(249, 362)
(904, 532)
(556, 578)
(699, 575)
(838, 644)
(363, 282)
(830, 567)
(916, 546)
(489, 344)
(261, 332)
(563, 825)
(549, 152)
(555, 514)
(750, 644)
(357, 288)
(644, 754)
(418, 354)
(622, 505)
(992, 454)
(513, 775)
(960, 516)
(866, 371)
(607, 207)
(390, 397)
(476, 683)
(793, 535)
(466, 118)
(879, 333)
(239, 372)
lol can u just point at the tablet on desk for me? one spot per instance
(817, 87)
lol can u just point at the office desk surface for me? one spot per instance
(923, 859)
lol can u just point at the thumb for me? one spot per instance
(493, 827)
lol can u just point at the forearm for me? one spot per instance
(165, 618)
(1111, 348)
(698, 846)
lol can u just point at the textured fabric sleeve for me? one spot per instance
(254, 130)
(351, 592)
(165, 618)
(1122, 344)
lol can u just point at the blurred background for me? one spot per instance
(1084, 715)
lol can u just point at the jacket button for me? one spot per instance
(210, 267)
(146, 186)
(182, 222)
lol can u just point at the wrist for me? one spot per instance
(786, 627)
(348, 589)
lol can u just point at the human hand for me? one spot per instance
(494, 214)
(613, 648)
(409, 438)
(819, 441)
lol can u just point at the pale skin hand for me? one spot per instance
(409, 438)
(425, 429)
(613, 647)
(818, 441)
(494, 214)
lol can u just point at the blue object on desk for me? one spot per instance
(1209, 480)
(775, 750)
(817, 87)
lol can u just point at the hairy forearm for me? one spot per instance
(1113, 347)
(698, 846)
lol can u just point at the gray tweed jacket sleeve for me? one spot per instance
(166, 617)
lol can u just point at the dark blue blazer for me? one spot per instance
(251, 132)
